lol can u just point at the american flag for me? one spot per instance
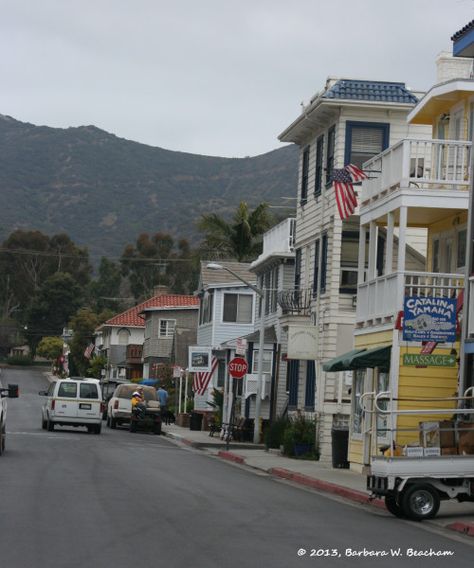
(201, 379)
(88, 352)
(342, 180)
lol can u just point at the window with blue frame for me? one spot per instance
(364, 140)
(297, 269)
(331, 143)
(310, 389)
(292, 379)
(319, 165)
(324, 259)
(304, 175)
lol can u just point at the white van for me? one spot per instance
(73, 402)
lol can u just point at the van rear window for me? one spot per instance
(88, 390)
(67, 390)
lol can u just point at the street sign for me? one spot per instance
(238, 367)
(241, 347)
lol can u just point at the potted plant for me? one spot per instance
(299, 437)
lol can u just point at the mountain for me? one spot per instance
(103, 191)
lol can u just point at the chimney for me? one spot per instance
(161, 290)
(449, 67)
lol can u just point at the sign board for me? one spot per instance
(419, 360)
(302, 342)
(177, 371)
(238, 367)
(428, 348)
(241, 346)
(199, 360)
(429, 319)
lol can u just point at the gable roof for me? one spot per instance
(131, 317)
(214, 278)
(381, 91)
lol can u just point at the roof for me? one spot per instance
(463, 31)
(214, 278)
(131, 317)
(381, 91)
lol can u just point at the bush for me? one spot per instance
(20, 360)
(300, 431)
(274, 434)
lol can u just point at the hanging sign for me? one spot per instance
(302, 342)
(429, 319)
(418, 360)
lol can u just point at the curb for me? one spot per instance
(229, 456)
(464, 528)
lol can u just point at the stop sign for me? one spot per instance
(238, 367)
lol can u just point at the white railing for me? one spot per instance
(279, 239)
(470, 324)
(418, 164)
(382, 297)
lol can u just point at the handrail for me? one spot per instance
(378, 397)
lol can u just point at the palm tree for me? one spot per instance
(240, 238)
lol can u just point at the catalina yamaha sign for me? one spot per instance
(429, 319)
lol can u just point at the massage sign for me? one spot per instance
(429, 319)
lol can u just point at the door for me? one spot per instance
(65, 401)
(88, 404)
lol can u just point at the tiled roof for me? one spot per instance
(463, 30)
(213, 277)
(381, 91)
(131, 318)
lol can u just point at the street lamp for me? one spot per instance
(262, 293)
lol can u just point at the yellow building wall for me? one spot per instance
(445, 225)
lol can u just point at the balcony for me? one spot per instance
(379, 300)
(295, 302)
(418, 165)
(278, 241)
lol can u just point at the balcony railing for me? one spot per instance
(418, 164)
(297, 302)
(382, 297)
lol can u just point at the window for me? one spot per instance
(167, 328)
(304, 175)
(357, 415)
(435, 261)
(364, 140)
(297, 269)
(237, 308)
(330, 154)
(67, 390)
(461, 248)
(324, 260)
(267, 361)
(382, 419)
(349, 262)
(207, 302)
(123, 335)
(319, 165)
(221, 374)
(310, 385)
(88, 390)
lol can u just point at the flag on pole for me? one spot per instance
(342, 180)
(88, 352)
(201, 380)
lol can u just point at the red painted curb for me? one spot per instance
(465, 528)
(230, 457)
(352, 494)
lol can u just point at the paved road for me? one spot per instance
(72, 499)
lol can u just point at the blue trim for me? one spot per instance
(464, 43)
(350, 124)
(293, 369)
(310, 388)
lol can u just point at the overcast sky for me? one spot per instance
(217, 77)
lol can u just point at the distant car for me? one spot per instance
(119, 408)
(74, 402)
(10, 392)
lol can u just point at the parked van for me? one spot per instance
(9, 392)
(73, 402)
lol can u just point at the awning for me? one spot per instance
(361, 359)
(337, 364)
(377, 357)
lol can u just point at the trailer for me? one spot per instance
(413, 486)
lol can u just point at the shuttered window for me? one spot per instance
(319, 165)
(310, 385)
(364, 141)
(330, 153)
(304, 175)
(293, 371)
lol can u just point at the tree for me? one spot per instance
(83, 324)
(57, 300)
(106, 286)
(240, 238)
(96, 365)
(157, 261)
(50, 348)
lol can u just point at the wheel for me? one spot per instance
(90, 429)
(50, 425)
(108, 422)
(392, 505)
(420, 502)
(98, 428)
(157, 428)
(44, 424)
(133, 426)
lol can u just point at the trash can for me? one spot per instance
(195, 422)
(340, 444)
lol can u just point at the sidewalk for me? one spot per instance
(322, 477)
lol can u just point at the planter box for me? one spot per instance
(182, 420)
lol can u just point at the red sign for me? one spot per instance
(238, 367)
